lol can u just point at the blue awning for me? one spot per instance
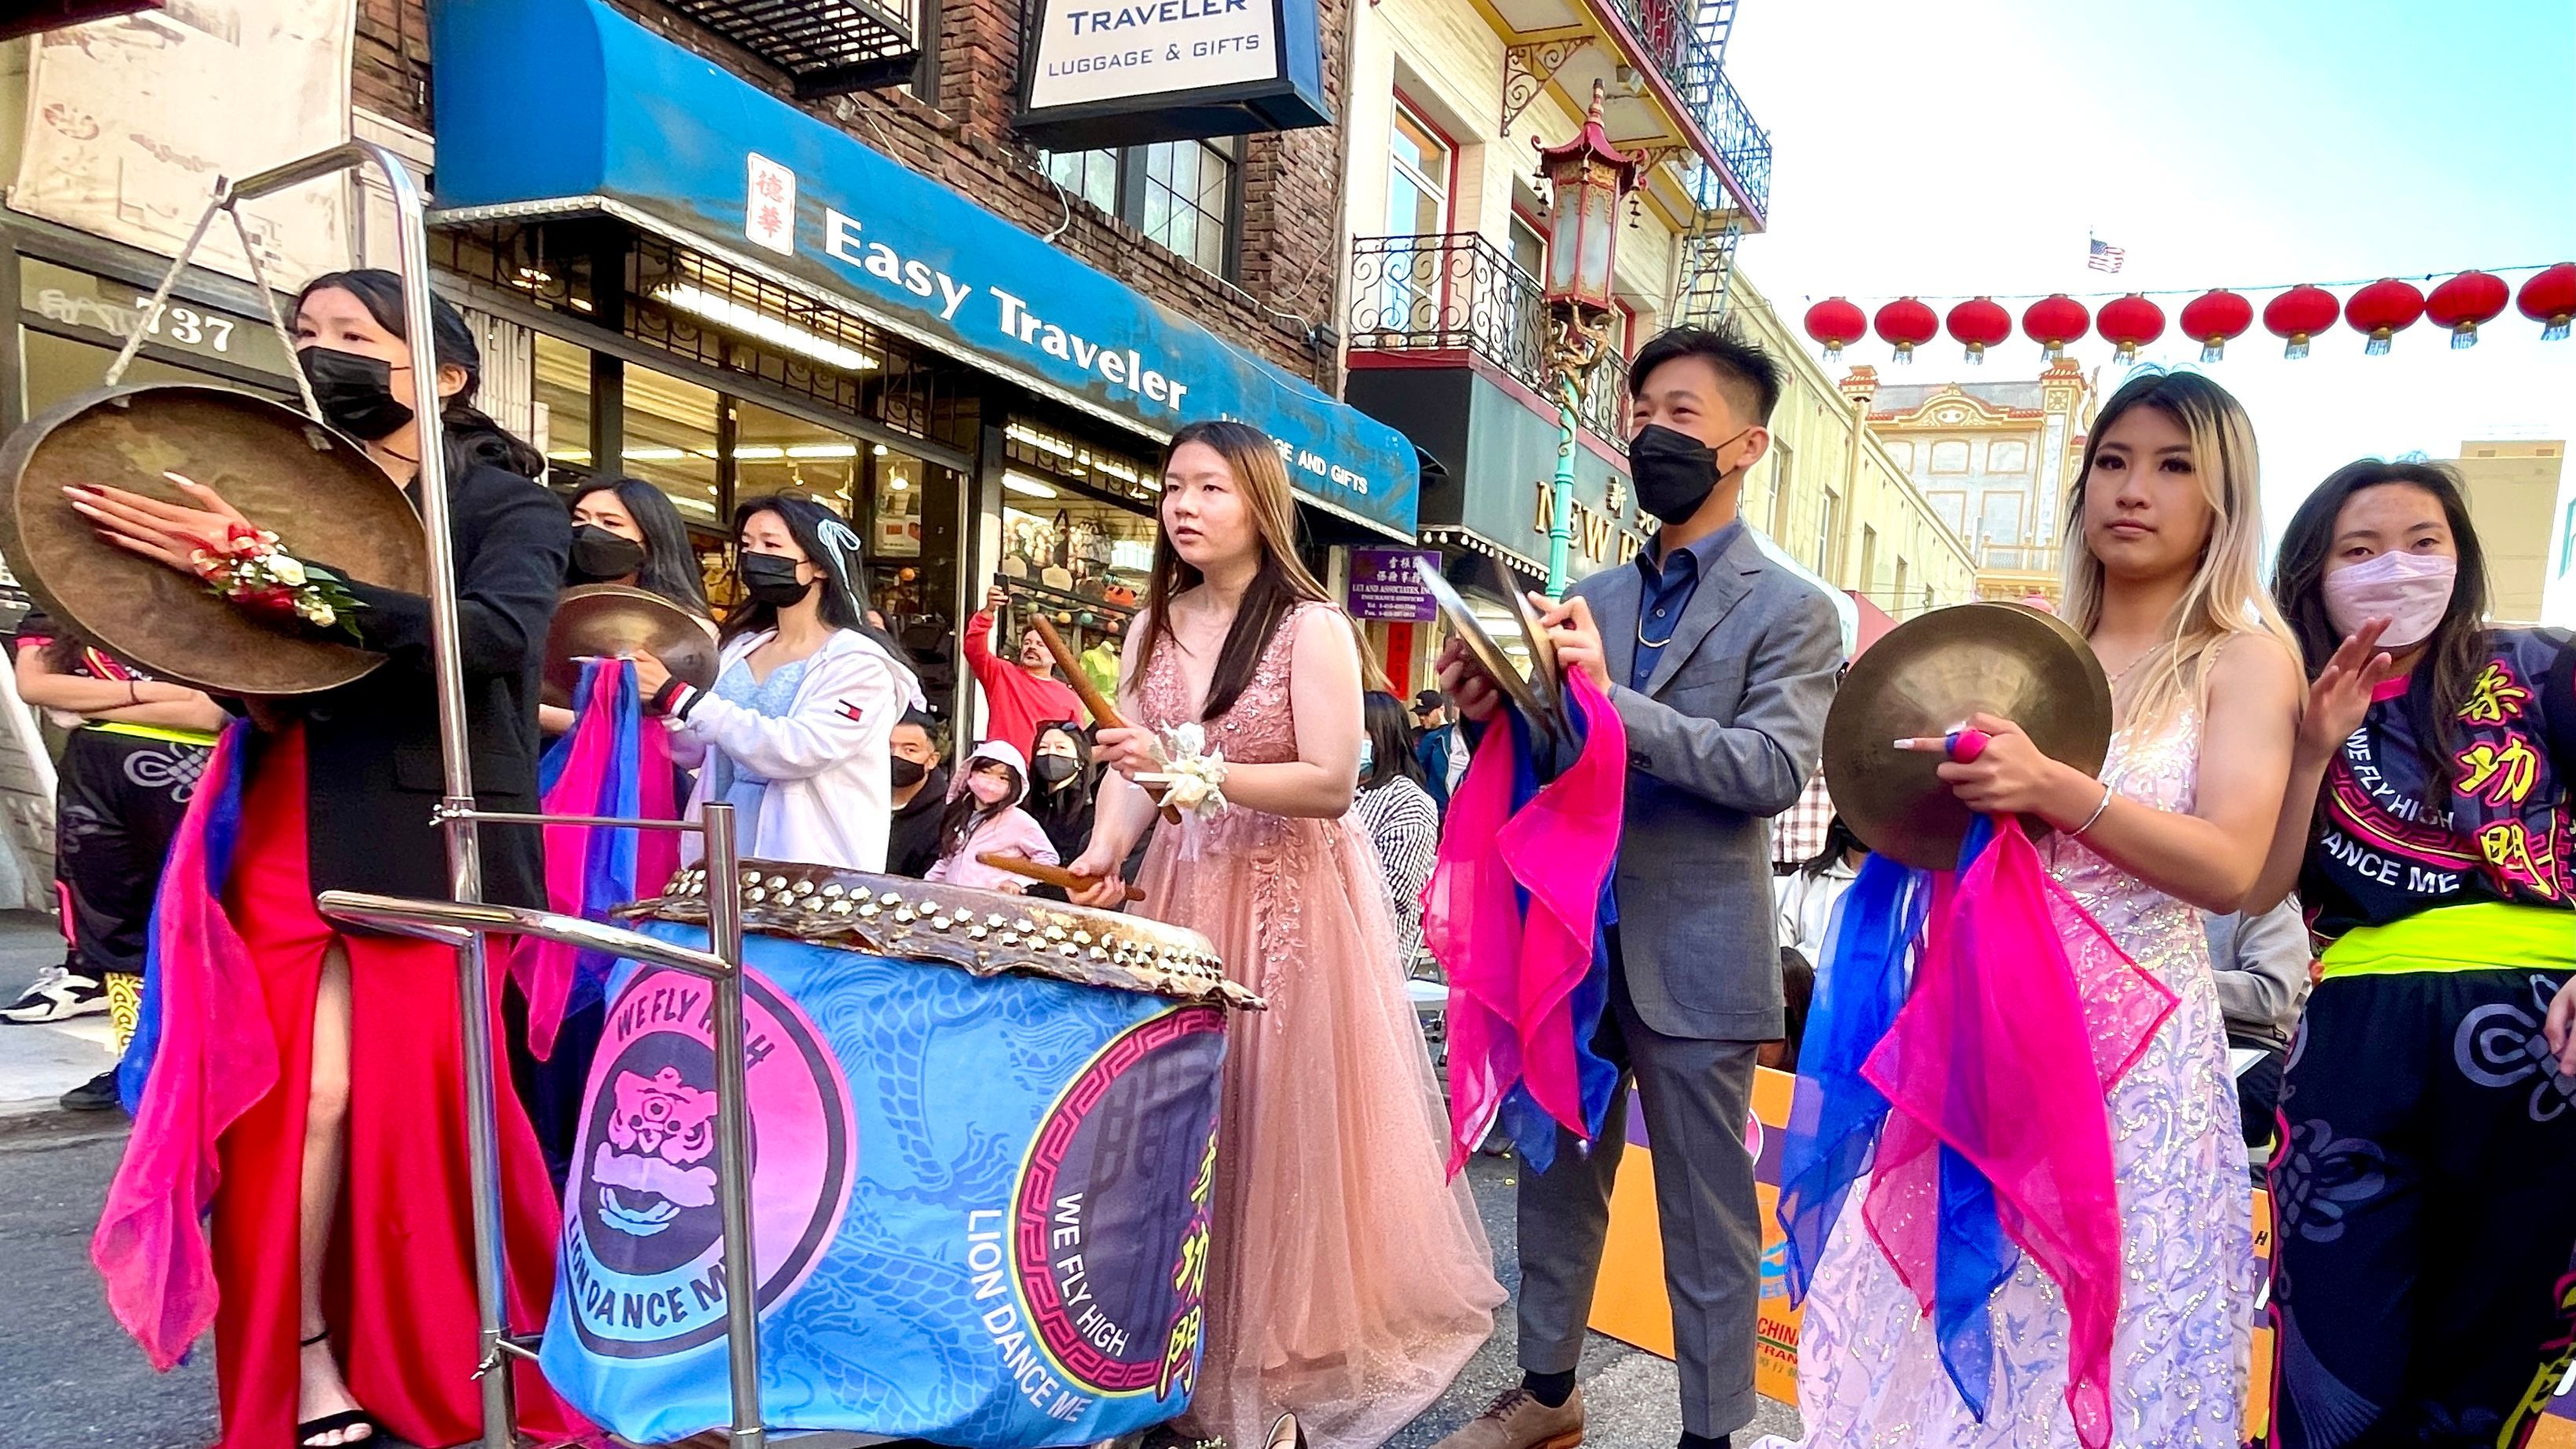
(561, 107)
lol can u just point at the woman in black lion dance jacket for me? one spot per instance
(305, 1083)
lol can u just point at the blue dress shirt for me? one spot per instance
(1667, 596)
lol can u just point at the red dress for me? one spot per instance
(399, 1289)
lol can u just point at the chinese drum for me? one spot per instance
(983, 1147)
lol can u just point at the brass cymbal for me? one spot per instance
(603, 621)
(1926, 677)
(327, 503)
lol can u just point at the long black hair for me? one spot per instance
(1281, 584)
(964, 814)
(2455, 652)
(1839, 841)
(1390, 741)
(827, 543)
(1076, 793)
(670, 565)
(471, 438)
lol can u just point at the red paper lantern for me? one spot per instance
(2130, 322)
(2053, 322)
(2382, 310)
(1906, 324)
(2299, 314)
(2549, 299)
(2216, 317)
(1837, 324)
(2465, 301)
(1979, 323)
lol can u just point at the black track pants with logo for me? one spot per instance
(116, 809)
(2425, 1199)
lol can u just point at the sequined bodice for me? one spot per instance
(1259, 728)
(2159, 767)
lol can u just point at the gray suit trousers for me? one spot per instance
(1696, 1095)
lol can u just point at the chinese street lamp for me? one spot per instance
(1587, 178)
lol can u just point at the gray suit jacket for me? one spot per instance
(1723, 737)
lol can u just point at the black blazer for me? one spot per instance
(373, 775)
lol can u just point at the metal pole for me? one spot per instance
(464, 865)
(1560, 522)
(733, 1131)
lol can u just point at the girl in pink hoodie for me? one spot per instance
(984, 817)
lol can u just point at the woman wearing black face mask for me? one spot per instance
(342, 1237)
(1060, 786)
(625, 531)
(799, 725)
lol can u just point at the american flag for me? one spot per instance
(2104, 257)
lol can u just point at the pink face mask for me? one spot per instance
(2412, 591)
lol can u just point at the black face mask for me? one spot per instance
(908, 773)
(599, 555)
(1674, 472)
(1054, 770)
(771, 579)
(356, 393)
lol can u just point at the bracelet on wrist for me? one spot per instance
(2095, 818)
(249, 570)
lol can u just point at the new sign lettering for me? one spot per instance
(565, 106)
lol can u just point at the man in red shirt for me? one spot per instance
(1017, 695)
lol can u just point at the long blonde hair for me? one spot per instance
(2226, 597)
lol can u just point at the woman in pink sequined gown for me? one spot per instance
(2163, 540)
(1350, 1280)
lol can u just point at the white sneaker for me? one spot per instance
(57, 994)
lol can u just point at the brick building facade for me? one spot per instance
(955, 127)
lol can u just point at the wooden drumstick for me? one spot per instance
(1054, 875)
(1103, 712)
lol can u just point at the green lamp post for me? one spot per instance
(1587, 178)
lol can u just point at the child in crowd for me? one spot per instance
(984, 818)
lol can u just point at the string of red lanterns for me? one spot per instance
(2461, 304)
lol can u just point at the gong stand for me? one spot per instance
(465, 921)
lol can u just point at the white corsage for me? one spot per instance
(1193, 776)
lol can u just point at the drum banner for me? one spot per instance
(980, 1208)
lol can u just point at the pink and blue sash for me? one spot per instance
(1975, 1100)
(613, 762)
(1518, 911)
(201, 1057)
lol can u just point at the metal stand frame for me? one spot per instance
(465, 921)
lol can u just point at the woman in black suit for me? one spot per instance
(342, 1239)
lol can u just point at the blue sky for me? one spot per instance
(1969, 146)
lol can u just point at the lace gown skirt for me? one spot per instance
(1868, 1368)
(1350, 1280)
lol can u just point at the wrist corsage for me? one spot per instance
(251, 571)
(1193, 776)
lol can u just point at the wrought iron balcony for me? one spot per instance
(1458, 292)
(1686, 39)
(827, 46)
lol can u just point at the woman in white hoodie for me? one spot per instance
(805, 701)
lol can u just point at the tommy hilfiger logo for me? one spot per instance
(849, 710)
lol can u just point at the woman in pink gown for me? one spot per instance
(1350, 1280)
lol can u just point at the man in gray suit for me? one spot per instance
(1721, 666)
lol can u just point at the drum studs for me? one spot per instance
(926, 906)
(1025, 926)
(1055, 933)
(1067, 951)
(804, 888)
(940, 923)
(813, 903)
(1082, 938)
(903, 915)
(890, 898)
(1010, 938)
(977, 933)
(754, 896)
(1099, 955)
(834, 891)
(842, 907)
(994, 921)
(777, 882)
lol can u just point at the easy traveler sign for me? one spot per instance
(560, 107)
(1123, 72)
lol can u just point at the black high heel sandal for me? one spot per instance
(311, 1429)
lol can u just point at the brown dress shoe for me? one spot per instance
(1517, 1420)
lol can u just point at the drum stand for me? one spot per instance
(465, 921)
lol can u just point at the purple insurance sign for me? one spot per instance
(1385, 586)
